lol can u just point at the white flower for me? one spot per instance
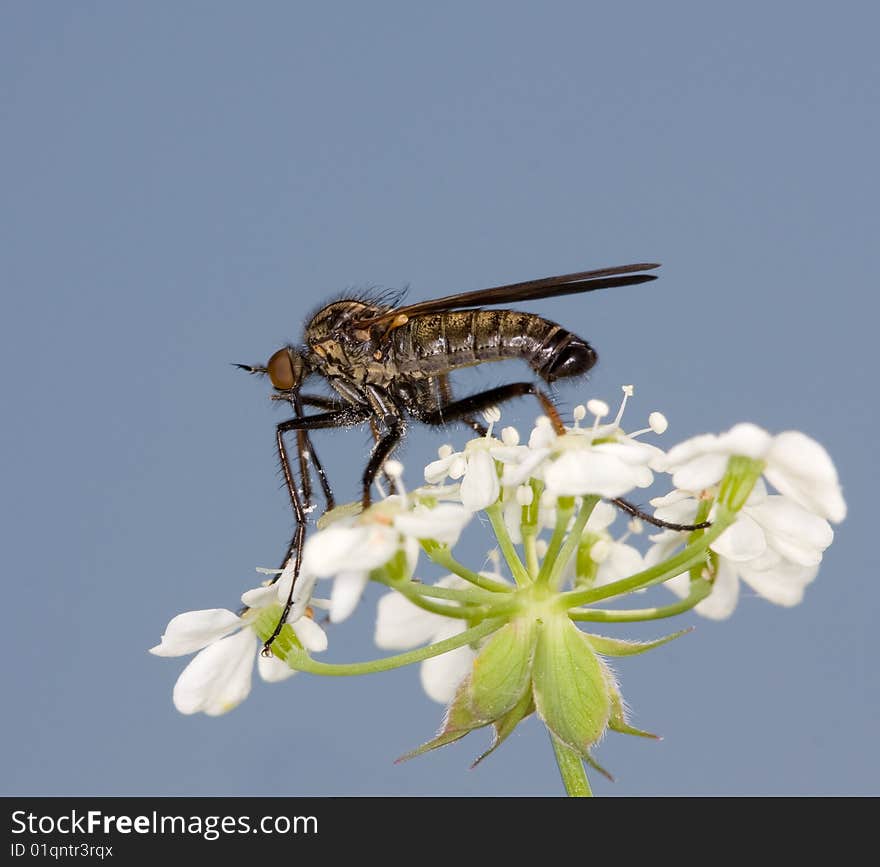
(797, 466)
(775, 546)
(605, 469)
(476, 469)
(401, 625)
(219, 677)
(349, 550)
(614, 558)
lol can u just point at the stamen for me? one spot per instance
(491, 414)
(394, 469)
(510, 436)
(627, 394)
(445, 451)
(658, 422)
(579, 413)
(599, 409)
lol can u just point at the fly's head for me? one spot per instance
(286, 370)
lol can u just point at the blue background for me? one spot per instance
(183, 182)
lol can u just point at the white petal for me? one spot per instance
(441, 675)
(272, 669)
(745, 439)
(542, 437)
(602, 517)
(302, 595)
(341, 548)
(260, 597)
(721, 603)
(311, 635)
(630, 451)
(680, 585)
(794, 532)
(480, 487)
(623, 561)
(674, 496)
(681, 512)
(800, 468)
(519, 473)
(401, 625)
(219, 677)
(348, 587)
(702, 472)
(783, 585)
(587, 472)
(513, 520)
(686, 451)
(443, 523)
(743, 540)
(436, 471)
(665, 544)
(194, 630)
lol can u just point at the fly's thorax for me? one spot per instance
(337, 345)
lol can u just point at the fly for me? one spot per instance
(390, 364)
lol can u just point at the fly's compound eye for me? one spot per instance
(280, 370)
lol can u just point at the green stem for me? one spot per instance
(508, 549)
(465, 612)
(554, 580)
(301, 661)
(571, 768)
(692, 555)
(700, 589)
(441, 555)
(465, 596)
(564, 511)
(530, 537)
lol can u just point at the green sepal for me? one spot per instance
(597, 767)
(571, 688)
(458, 721)
(619, 647)
(618, 722)
(502, 670)
(286, 641)
(395, 571)
(503, 727)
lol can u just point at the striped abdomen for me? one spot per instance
(437, 343)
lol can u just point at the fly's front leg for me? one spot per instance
(340, 418)
(385, 409)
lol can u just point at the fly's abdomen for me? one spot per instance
(437, 343)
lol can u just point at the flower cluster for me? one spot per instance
(742, 506)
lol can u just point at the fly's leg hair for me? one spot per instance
(463, 409)
(636, 512)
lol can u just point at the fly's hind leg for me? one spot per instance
(465, 408)
(444, 389)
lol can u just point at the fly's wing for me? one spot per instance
(530, 290)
